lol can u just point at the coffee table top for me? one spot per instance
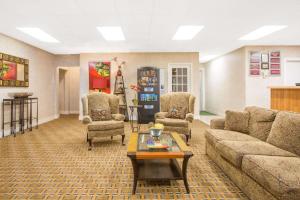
(138, 146)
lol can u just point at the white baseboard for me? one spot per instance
(68, 112)
(196, 116)
(41, 121)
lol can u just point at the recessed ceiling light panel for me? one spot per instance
(262, 32)
(111, 33)
(38, 34)
(187, 32)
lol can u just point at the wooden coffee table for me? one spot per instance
(158, 165)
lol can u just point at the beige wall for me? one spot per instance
(41, 75)
(136, 60)
(225, 82)
(69, 60)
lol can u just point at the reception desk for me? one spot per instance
(285, 98)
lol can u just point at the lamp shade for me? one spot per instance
(99, 83)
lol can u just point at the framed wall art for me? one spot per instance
(14, 71)
(255, 60)
(264, 63)
(275, 63)
(99, 76)
(265, 57)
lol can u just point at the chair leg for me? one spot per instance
(190, 133)
(187, 139)
(123, 137)
(111, 137)
(90, 144)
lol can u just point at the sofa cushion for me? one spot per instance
(105, 125)
(214, 135)
(279, 175)
(173, 122)
(237, 121)
(233, 151)
(260, 122)
(285, 132)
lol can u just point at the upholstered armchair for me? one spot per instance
(182, 122)
(109, 124)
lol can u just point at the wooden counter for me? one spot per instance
(285, 98)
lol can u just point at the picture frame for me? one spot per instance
(14, 71)
(99, 76)
(264, 65)
(264, 57)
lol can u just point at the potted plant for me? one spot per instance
(136, 89)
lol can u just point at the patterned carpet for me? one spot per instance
(53, 162)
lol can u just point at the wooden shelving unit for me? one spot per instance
(120, 90)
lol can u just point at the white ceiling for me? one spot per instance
(149, 25)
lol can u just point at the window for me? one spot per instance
(179, 77)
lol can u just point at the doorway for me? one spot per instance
(201, 99)
(68, 90)
(291, 72)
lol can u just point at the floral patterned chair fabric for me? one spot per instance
(181, 102)
(108, 127)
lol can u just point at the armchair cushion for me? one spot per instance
(101, 114)
(161, 115)
(177, 112)
(189, 117)
(105, 125)
(86, 119)
(173, 122)
(97, 100)
(118, 117)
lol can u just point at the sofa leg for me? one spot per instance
(111, 137)
(90, 144)
(123, 137)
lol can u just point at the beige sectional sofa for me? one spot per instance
(264, 161)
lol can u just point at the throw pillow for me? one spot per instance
(285, 132)
(101, 114)
(260, 123)
(237, 121)
(177, 112)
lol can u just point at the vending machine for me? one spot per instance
(148, 96)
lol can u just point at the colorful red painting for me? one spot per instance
(8, 71)
(99, 76)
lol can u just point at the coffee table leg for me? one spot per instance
(184, 169)
(135, 174)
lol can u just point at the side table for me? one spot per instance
(135, 127)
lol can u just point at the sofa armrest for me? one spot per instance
(160, 115)
(217, 123)
(189, 117)
(86, 119)
(118, 117)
